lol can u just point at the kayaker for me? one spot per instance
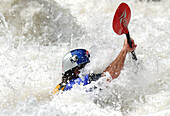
(77, 59)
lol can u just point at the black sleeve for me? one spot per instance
(94, 77)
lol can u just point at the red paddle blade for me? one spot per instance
(121, 19)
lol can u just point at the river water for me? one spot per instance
(35, 34)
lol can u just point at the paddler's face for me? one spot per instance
(76, 71)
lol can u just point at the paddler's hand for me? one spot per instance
(126, 46)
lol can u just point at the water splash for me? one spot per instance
(35, 35)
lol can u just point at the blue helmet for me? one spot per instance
(75, 58)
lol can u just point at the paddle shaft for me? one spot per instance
(130, 44)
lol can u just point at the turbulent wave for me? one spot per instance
(35, 34)
(40, 21)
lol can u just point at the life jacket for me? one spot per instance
(59, 87)
(85, 80)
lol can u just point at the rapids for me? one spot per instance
(35, 34)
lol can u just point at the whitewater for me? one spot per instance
(35, 35)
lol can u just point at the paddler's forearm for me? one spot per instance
(116, 66)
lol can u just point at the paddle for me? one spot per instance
(120, 23)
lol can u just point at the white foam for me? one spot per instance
(30, 70)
